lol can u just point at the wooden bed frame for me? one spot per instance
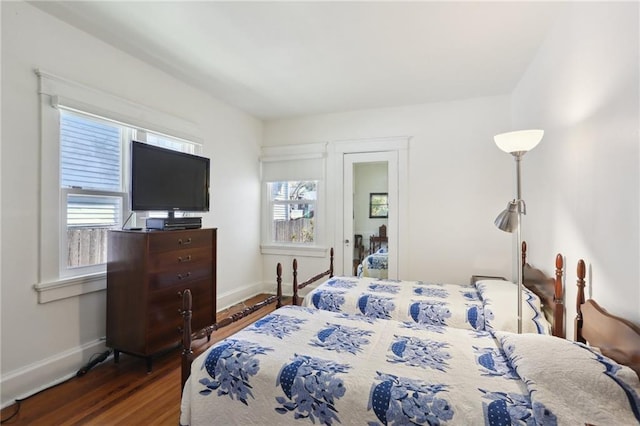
(377, 241)
(549, 290)
(616, 337)
(296, 286)
(188, 336)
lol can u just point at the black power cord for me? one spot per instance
(92, 363)
(15, 413)
(85, 368)
(18, 401)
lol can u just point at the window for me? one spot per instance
(294, 200)
(292, 207)
(378, 205)
(93, 183)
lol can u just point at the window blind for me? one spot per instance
(291, 170)
(89, 153)
(93, 211)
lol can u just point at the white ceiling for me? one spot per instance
(283, 59)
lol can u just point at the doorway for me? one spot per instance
(364, 176)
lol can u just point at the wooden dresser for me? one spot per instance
(146, 274)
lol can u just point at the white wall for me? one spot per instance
(43, 342)
(459, 180)
(582, 181)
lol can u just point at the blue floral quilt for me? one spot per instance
(375, 265)
(307, 366)
(423, 303)
(488, 306)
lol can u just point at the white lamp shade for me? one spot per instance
(518, 141)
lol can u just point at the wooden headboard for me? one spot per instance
(616, 337)
(549, 290)
(376, 242)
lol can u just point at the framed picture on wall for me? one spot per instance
(378, 205)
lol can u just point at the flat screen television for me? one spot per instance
(167, 180)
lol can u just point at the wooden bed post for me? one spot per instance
(299, 286)
(331, 263)
(550, 290)
(558, 298)
(188, 337)
(581, 271)
(279, 284)
(187, 353)
(295, 282)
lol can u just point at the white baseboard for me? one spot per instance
(33, 378)
(230, 298)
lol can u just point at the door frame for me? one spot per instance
(398, 225)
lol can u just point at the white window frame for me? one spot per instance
(57, 92)
(284, 156)
(286, 204)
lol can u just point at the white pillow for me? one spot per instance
(500, 302)
(572, 383)
(507, 287)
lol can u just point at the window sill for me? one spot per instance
(293, 250)
(70, 287)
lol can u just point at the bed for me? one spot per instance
(375, 265)
(487, 304)
(300, 365)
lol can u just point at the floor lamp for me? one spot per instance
(509, 220)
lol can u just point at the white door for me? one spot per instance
(349, 160)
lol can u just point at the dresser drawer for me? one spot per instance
(180, 275)
(170, 260)
(164, 319)
(177, 240)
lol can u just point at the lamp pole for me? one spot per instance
(521, 210)
(519, 262)
(516, 143)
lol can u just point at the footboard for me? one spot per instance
(188, 336)
(296, 286)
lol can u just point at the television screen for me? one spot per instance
(167, 180)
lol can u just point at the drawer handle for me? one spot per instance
(181, 277)
(185, 242)
(184, 259)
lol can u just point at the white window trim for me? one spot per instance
(293, 153)
(69, 287)
(55, 92)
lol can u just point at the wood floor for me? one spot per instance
(119, 394)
